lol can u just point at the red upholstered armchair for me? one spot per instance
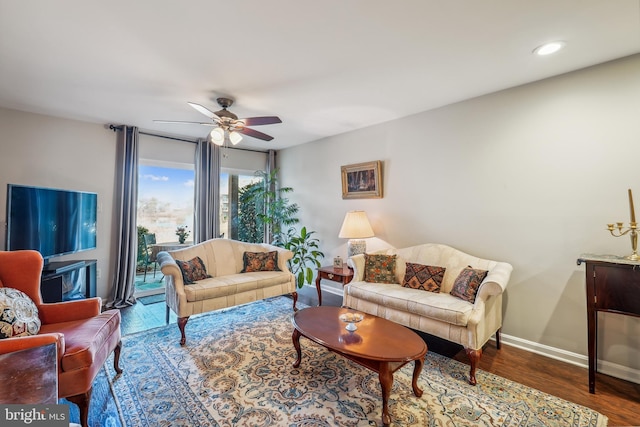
(85, 337)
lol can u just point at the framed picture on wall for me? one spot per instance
(362, 180)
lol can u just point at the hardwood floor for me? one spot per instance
(619, 400)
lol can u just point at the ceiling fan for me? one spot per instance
(228, 125)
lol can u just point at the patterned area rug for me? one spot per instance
(236, 370)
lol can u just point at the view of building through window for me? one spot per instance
(165, 200)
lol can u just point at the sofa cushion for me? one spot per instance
(84, 339)
(438, 306)
(18, 314)
(231, 284)
(425, 277)
(467, 283)
(380, 268)
(259, 261)
(192, 270)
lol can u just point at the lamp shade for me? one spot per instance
(356, 226)
(235, 137)
(217, 136)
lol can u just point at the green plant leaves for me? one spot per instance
(266, 207)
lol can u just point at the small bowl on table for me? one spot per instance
(351, 319)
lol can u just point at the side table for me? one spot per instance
(30, 376)
(335, 274)
(613, 286)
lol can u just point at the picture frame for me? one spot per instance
(362, 180)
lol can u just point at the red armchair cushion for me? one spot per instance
(84, 339)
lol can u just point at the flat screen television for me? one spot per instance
(50, 221)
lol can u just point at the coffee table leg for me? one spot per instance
(386, 382)
(417, 368)
(296, 344)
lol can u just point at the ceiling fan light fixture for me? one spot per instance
(549, 48)
(235, 137)
(217, 136)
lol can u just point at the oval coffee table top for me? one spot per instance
(375, 338)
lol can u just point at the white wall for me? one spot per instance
(51, 152)
(529, 175)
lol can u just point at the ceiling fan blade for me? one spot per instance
(181, 122)
(255, 134)
(256, 121)
(204, 110)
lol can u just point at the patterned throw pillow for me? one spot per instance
(380, 268)
(467, 283)
(192, 270)
(425, 277)
(260, 261)
(18, 314)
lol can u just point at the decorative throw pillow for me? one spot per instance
(260, 261)
(192, 270)
(18, 314)
(467, 283)
(380, 268)
(425, 277)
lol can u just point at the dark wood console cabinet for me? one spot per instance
(613, 286)
(56, 275)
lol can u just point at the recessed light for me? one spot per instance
(549, 48)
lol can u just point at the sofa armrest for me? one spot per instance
(68, 311)
(357, 263)
(494, 284)
(10, 345)
(171, 271)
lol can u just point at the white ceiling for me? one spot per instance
(324, 67)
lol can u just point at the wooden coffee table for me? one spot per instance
(377, 344)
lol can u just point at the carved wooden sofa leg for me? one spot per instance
(294, 295)
(82, 400)
(182, 322)
(474, 358)
(116, 357)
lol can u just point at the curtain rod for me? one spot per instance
(175, 138)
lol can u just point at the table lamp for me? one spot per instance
(356, 226)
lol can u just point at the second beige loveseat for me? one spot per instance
(229, 284)
(470, 322)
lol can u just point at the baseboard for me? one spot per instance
(604, 367)
(331, 290)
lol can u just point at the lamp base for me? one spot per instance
(356, 247)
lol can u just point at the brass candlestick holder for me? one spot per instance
(617, 231)
(631, 230)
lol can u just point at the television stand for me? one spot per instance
(62, 266)
(68, 280)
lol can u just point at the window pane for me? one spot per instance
(237, 222)
(165, 200)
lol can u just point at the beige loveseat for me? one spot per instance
(439, 314)
(227, 286)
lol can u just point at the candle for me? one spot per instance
(633, 213)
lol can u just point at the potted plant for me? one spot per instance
(306, 253)
(265, 210)
(182, 233)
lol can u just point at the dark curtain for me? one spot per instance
(271, 166)
(126, 195)
(207, 206)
